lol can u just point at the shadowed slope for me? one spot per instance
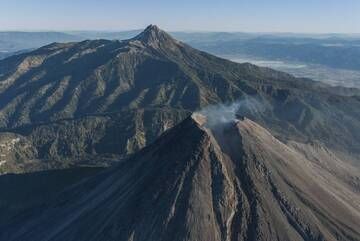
(235, 182)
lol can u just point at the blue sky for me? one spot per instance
(311, 16)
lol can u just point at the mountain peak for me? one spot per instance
(152, 28)
(154, 36)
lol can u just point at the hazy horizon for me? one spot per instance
(175, 31)
(257, 16)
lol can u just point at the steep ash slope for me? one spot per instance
(22, 192)
(231, 182)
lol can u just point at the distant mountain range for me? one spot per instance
(335, 53)
(333, 50)
(15, 41)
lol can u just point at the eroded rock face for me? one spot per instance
(232, 182)
(16, 153)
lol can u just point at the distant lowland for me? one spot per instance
(330, 58)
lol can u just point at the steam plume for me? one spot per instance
(218, 115)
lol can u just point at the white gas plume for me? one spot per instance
(218, 115)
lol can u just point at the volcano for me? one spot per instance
(74, 102)
(225, 182)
